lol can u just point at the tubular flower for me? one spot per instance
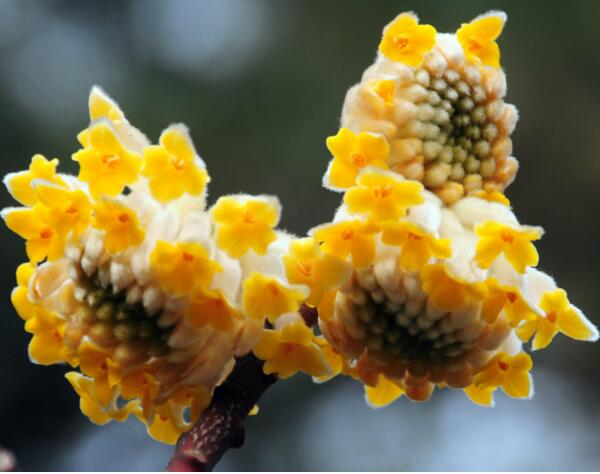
(291, 349)
(245, 223)
(496, 238)
(478, 38)
(442, 113)
(352, 237)
(406, 41)
(135, 289)
(382, 196)
(173, 167)
(351, 153)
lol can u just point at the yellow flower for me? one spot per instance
(384, 393)
(306, 264)
(183, 267)
(510, 373)
(509, 299)
(355, 238)
(446, 292)
(101, 105)
(32, 225)
(418, 246)
(290, 350)
(405, 41)
(245, 223)
(121, 226)
(19, 184)
(211, 307)
(105, 164)
(351, 153)
(382, 196)
(561, 317)
(66, 210)
(20, 295)
(496, 238)
(265, 296)
(480, 396)
(493, 196)
(384, 88)
(46, 346)
(173, 168)
(478, 38)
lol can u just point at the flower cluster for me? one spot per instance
(442, 291)
(132, 280)
(431, 108)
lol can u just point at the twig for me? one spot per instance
(221, 426)
(8, 462)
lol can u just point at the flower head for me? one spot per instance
(442, 114)
(406, 41)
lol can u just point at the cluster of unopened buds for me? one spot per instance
(424, 278)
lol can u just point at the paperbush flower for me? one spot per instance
(443, 116)
(443, 291)
(138, 286)
(423, 279)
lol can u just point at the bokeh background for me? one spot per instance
(261, 83)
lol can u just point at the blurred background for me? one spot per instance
(261, 84)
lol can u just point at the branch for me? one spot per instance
(221, 425)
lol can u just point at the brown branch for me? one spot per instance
(221, 426)
(8, 462)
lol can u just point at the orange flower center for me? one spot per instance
(473, 45)
(507, 236)
(305, 268)
(412, 236)
(551, 316)
(503, 366)
(273, 288)
(358, 160)
(123, 218)
(72, 209)
(347, 234)
(400, 42)
(110, 161)
(178, 163)
(187, 257)
(288, 347)
(381, 192)
(248, 218)
(512, 297)
(46, 233)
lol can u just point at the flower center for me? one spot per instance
(72, 209)
(400, 42)
(474, 45)
(248, 218)
(358, 160)
(178, 163)
(507, 236)
(123, 218)
(187, 257)
(503, 366)
(305, 268)
(382, 192)
(273, 288)
(46, 233)
(347, 234)
(551, 316)
(415, 237)
(512, 297)
(110, 161)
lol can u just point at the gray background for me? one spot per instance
(261, 84)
